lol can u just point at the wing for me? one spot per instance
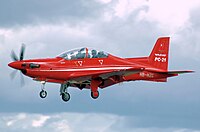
(83, 77)
(111, 75)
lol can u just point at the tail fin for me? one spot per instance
(159, 55)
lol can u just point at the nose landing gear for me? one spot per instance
(43, 93)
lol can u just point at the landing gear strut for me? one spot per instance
(43, 93)
(63, 92)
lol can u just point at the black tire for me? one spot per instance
(65, 97)
(43, 94)
(95, 97)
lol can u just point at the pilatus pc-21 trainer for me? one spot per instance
(91, 69)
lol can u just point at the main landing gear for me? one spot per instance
(63, 92)
(95, 83)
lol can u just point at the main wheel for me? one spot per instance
(43, 94)
(65, 96)
(95, 95)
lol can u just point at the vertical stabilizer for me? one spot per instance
(159, 55)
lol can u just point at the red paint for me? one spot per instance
(88, 72)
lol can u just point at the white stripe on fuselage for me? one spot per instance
(91, 69)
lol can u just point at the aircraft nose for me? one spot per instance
(15, 65)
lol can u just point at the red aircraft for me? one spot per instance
(92, 69)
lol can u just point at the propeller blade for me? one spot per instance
(22, 82)
(13, 74)
(13, 56)
(22, 52)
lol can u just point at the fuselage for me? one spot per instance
(60, 70)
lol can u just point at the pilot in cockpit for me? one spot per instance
(94, 54)
(81, 54)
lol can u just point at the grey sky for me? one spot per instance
(126, 28)
(24, 12)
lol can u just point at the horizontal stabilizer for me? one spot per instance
(178, 72)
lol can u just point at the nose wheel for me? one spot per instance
(43, 94)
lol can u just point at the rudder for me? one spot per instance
(159, 55)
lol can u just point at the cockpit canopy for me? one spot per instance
(83, 53)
